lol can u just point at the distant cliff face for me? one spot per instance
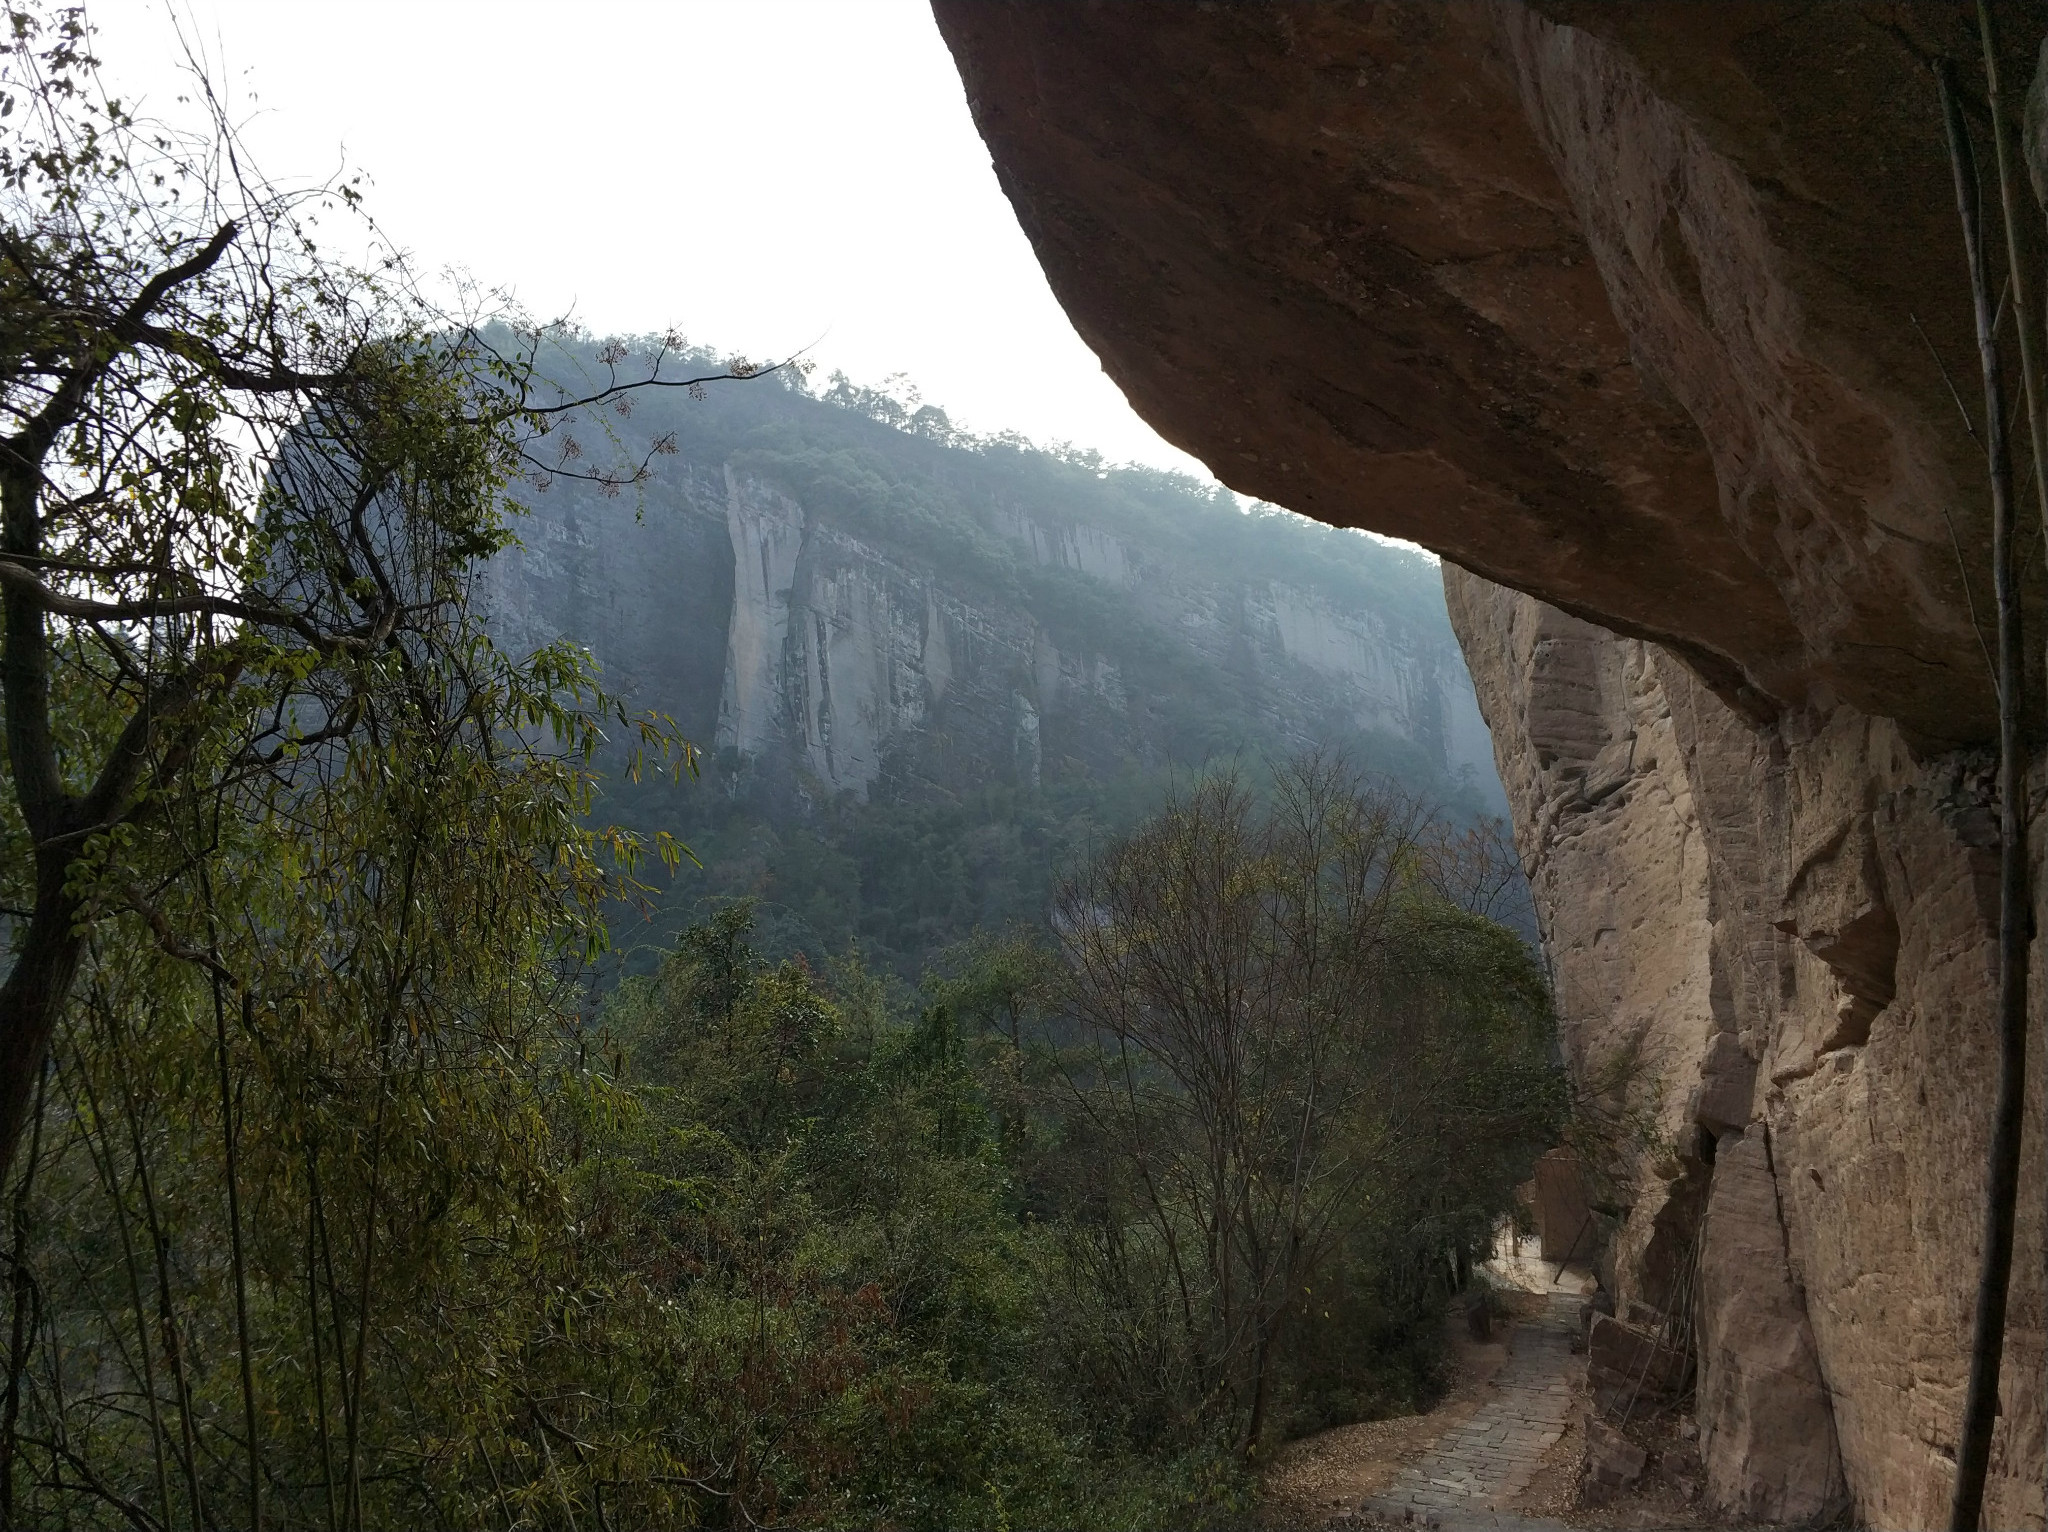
(852, 665)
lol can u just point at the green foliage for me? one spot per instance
(904, 876)
(306, 1111)
(1301, 1081)
(760, 1242)
(845, 1167)
(245, 492)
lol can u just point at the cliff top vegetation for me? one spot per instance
(889, 464)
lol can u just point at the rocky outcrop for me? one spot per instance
(1613, 1462)
(1695, 875)
(767, 532)
(1639, 316)
(833, 651)
(1633, 1368)
(1615, 304)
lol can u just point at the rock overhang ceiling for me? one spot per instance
(1641, 309)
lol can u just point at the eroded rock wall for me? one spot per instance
(1635, 307)
(1767, 1426)
(1774, 945)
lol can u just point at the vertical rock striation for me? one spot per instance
(1774, 944)
(767, 534)
(1767, 1433)
(839, 661)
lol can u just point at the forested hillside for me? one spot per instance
(929, 670)
(347, 1188)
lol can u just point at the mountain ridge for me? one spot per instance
(858, 619)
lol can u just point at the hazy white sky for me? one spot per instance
(759, 173)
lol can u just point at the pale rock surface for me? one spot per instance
(1766, 1433)
(784, 638)
(767, 534)
(1713, 909)
(1605, 820)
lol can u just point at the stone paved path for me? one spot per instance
(1473, 1471)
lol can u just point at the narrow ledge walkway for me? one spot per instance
(1470, 1475)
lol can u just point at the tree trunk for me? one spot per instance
(2002, 1167)
(1261, 1369)
(33, 997)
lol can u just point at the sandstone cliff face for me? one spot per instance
(1785, 931)
(1608, 302)
(1766, 1431)
(1633, 312)
(834, 661)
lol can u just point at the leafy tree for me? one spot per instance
(242, 484)
(328, 1200)
(869, 1315)
(298, 1119)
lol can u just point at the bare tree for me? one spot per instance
(1285, 1017)
(2002, 1160)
